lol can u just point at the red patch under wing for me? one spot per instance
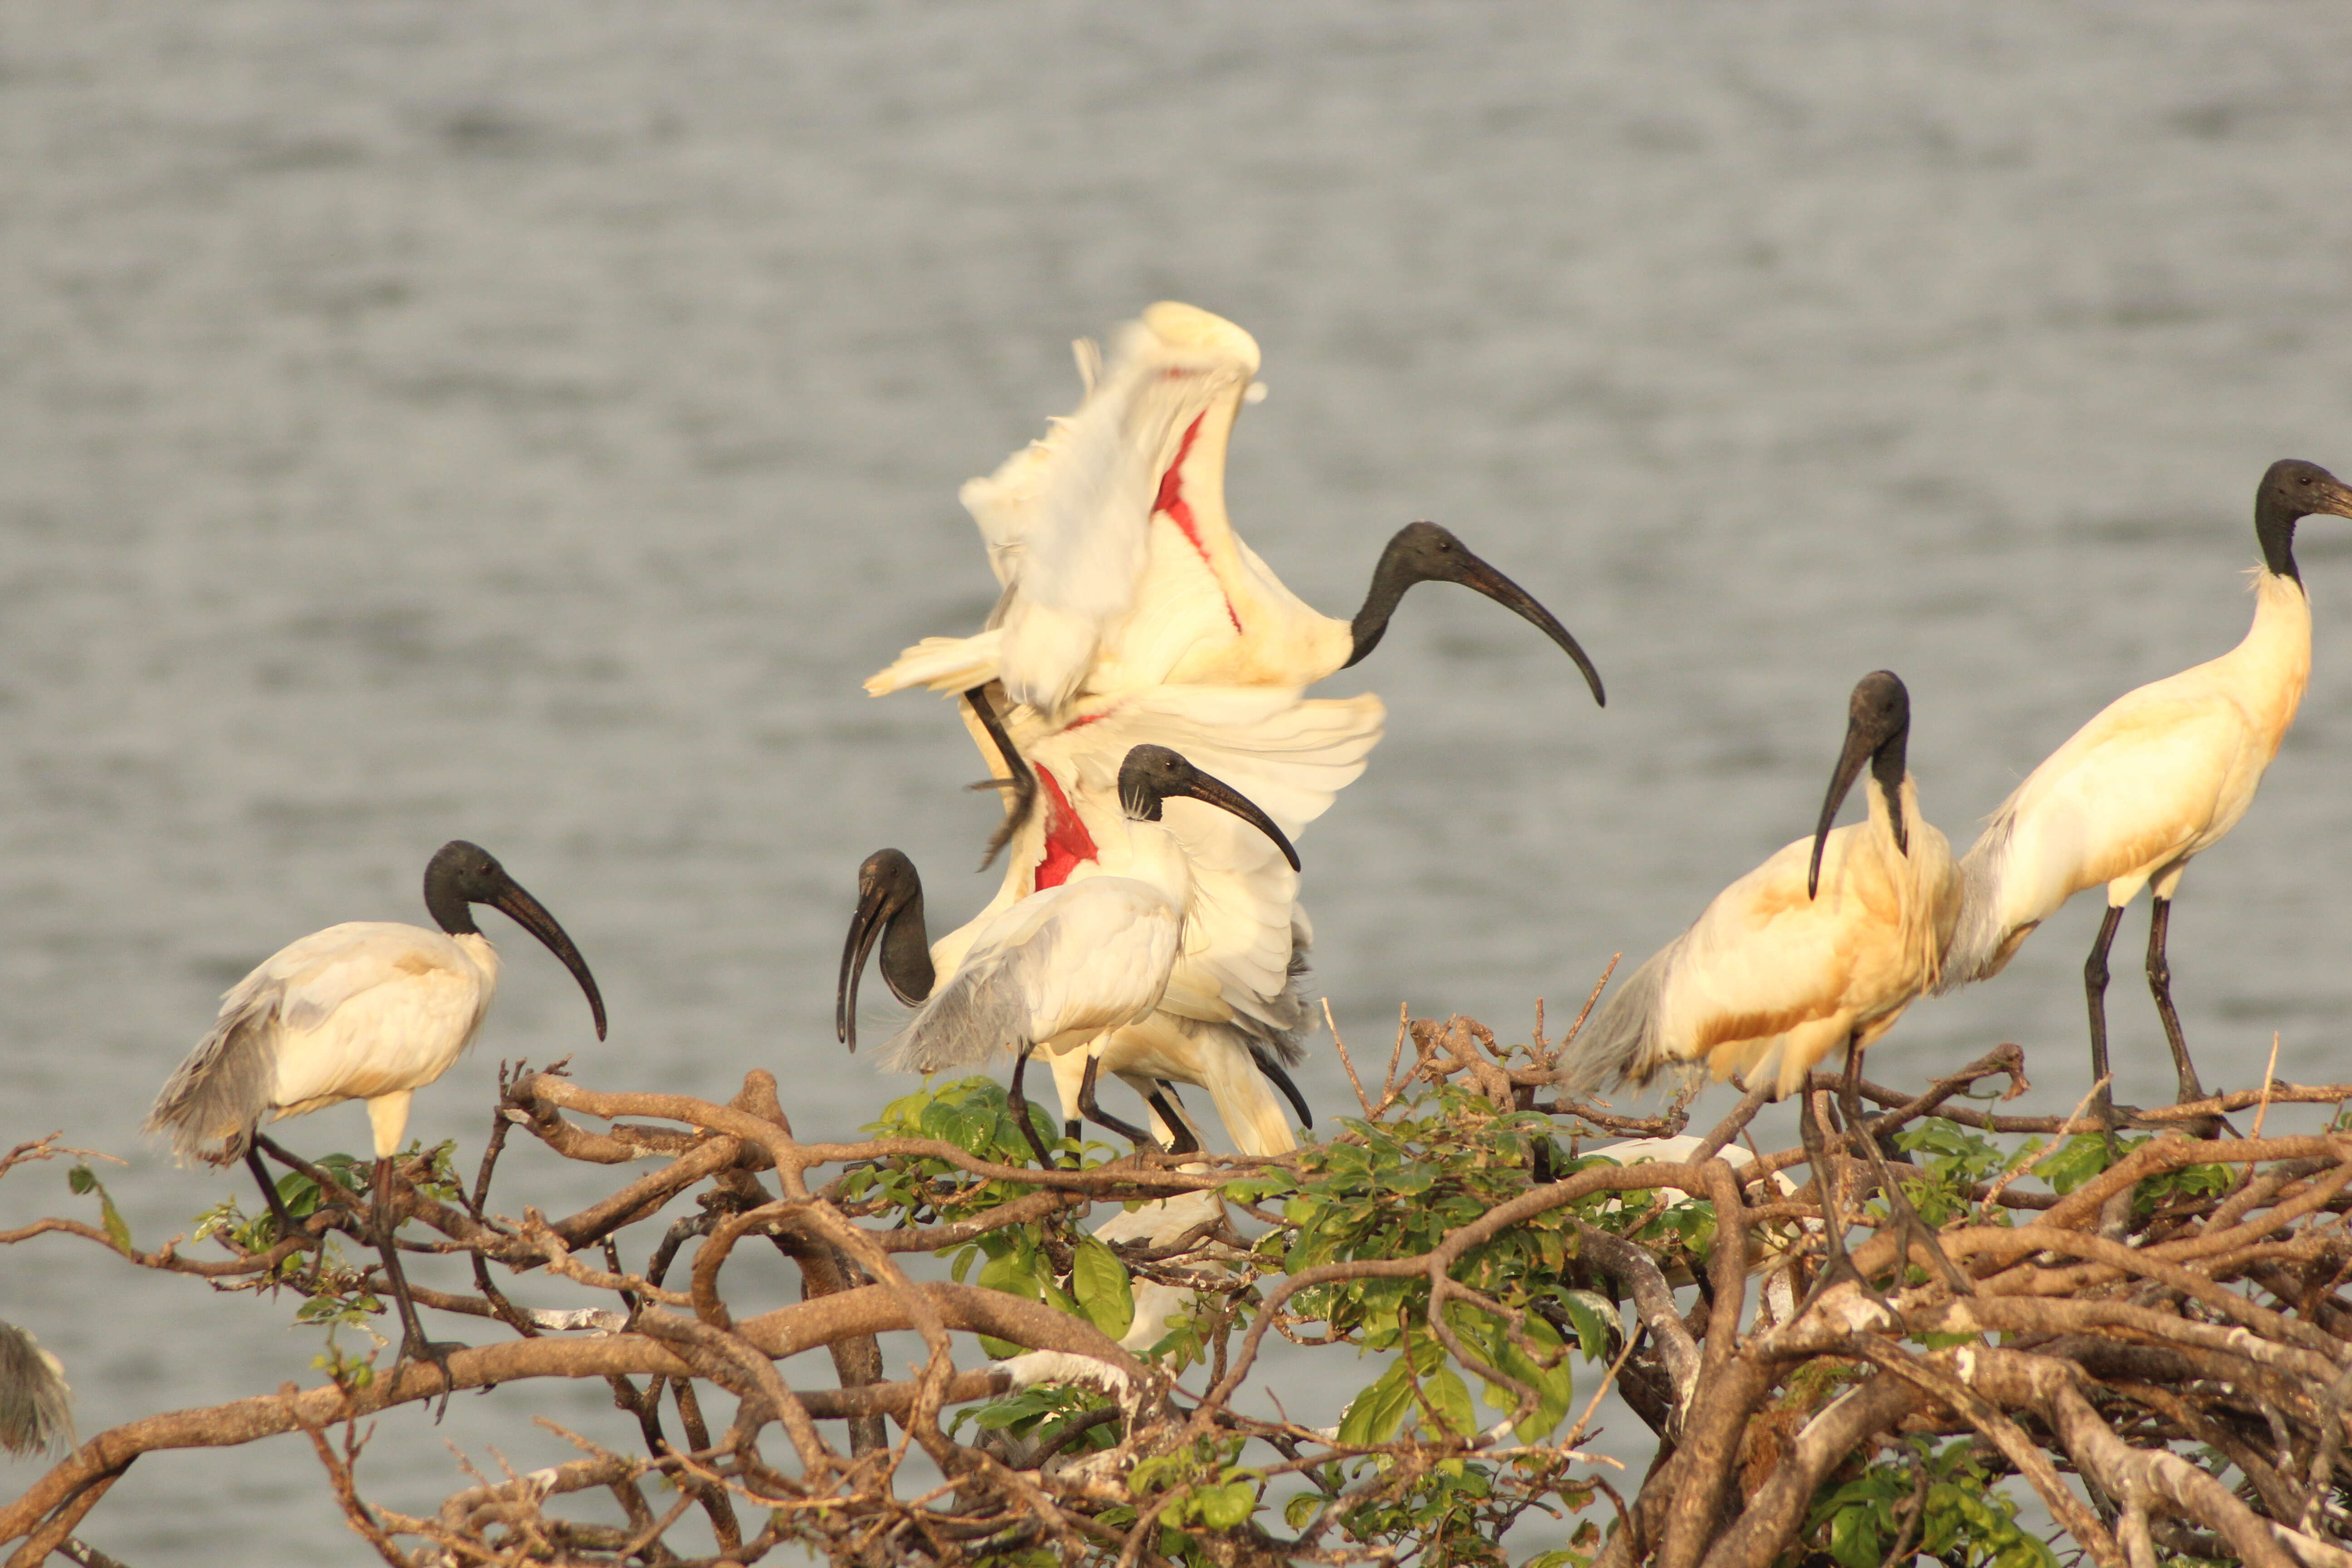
(1178, 510)
(1067, 842)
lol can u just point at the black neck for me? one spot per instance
(2274, 523)
(906, 955)
(1886, 771)
(1371, 622)
(449, 908)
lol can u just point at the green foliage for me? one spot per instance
(1954, 1160)
(1918, 1498)
(971, 1114)
(1199, 1486)
(1394, 1188)
(2084, 1158)
(2080, 1158)
(1098, 1280)
(83, 1181)
(1043, 1414)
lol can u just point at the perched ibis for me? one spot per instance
(1821, 946)
(1063, 967)
(369, 1010)
(1232, 1015)
(2155, 779)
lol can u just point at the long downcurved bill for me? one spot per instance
(1202, 787)
(866, 928)
(532, 915)
(1860, 749)
(1478, 574)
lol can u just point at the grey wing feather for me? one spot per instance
(1280, 1027)
(1978, 937)
(1624, 1042)
(36, 1405)
(221, 1093)
(976, 1015)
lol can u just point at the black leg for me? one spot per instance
(2159, 981)
(1835, 1264)
(1180, 1131)
(1019, 1105)
(2095, 988)
(1101, 1118)
(285, 1225)
(1899, 1211)
(1022, 783)
(414, 1345)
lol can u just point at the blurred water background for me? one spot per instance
(529, 422)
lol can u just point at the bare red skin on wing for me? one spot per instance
(1178, 510)
(1067, 843)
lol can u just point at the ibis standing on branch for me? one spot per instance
(369, 1010)
(1235, 1063)
(1232, 1015)
(1063, 968)
(2157, 778)
(1822, 946)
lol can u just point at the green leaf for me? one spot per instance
(1010, 1274)
(1226, 1507)
(2079, 1159)
(1592, 1318)
(111, 1217)
(80, 1180)
(1099, 1281)
(1373, 1415)
(1446, 1390)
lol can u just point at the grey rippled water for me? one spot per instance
(529, 421)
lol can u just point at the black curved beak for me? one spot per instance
(1861, 748)
(1473, 573)
(528, 912)
(2339, 501)
(1202, 787)
(887, 888)
(865, 930)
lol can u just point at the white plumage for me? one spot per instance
(1119, 567)
(1064, 966)
(1231, 1000)
(369, 1010)
(1773, 977)
(1822, 946)
(2155, 779)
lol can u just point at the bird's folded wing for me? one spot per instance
(1765, 958)
(1086, 955)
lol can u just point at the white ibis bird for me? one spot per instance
(35, 1405)
(1119, 568)
(1065, 966)
(2157, 778)
(1824, 945)
(1235, 1064)
(369, 1010)
(1231, 1015)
